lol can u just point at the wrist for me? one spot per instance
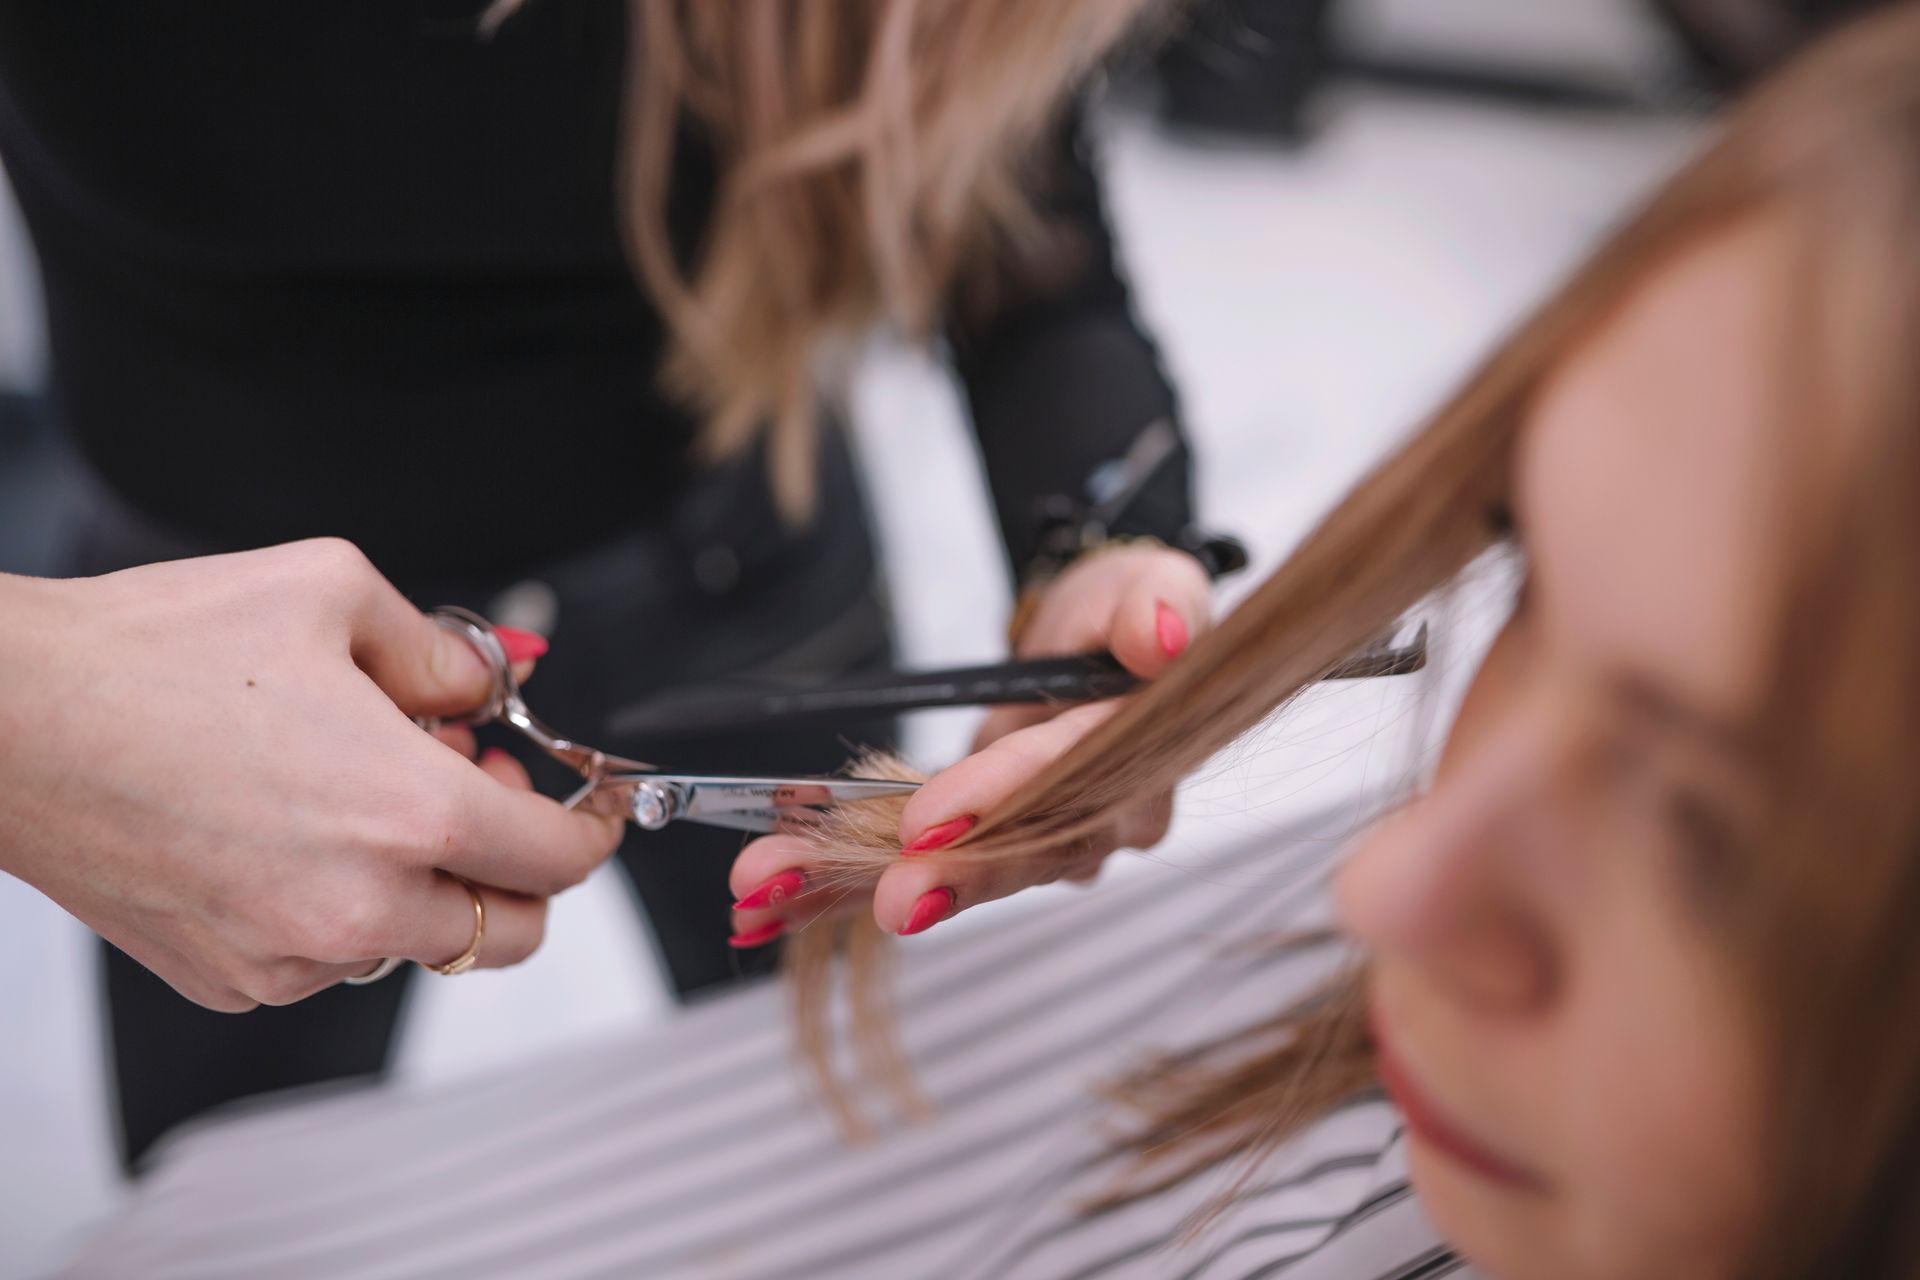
(32, 635)
(37, 636)
(1217, 555)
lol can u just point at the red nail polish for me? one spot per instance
(1170, 629)
(934, 906)
(492, 754)
(757, 937)
(942, 834)
(772, 891)
(521, 646)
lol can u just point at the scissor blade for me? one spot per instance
(758, 821)
(711, 795)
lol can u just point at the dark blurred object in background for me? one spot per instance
(1245, 67)
(32, 483)
(1728, 43)
(18, 417)
(1253, 68)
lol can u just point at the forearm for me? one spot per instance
(1072, 400)
(1060, 375)
(32, 628)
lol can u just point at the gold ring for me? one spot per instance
(376, 973)
(471, 956)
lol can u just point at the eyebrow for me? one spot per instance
(1647, 699)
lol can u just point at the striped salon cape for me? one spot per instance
(693, 1150)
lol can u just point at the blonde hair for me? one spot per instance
(1835, 145)
(872, 156)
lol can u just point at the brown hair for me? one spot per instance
(1834, 145)
(870, 155)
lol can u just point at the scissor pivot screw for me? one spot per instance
(654, 805)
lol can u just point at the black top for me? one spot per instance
(344, 267)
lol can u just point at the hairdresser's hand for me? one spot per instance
(1145, 604)
(210, 763)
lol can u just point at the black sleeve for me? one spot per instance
(1058, 373)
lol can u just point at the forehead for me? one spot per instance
(1649, 475)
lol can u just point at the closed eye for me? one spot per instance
(1709, 847)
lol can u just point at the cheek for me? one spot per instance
(1640, 1094)
(1665, 1113)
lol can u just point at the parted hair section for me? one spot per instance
(1834, 146)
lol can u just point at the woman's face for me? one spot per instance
(1550, 986)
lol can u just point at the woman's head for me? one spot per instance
(1640, 962)
(1553, 984)
(1642, 958)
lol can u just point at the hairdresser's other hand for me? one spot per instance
(210, 763)
(1143, 603)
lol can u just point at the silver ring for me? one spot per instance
(479, 633)
(376, 973)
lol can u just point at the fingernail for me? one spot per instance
(771, 891)
(941, 835)
(521, 646)
(757, 937)
(492, 754)
(1171, 630)
(934, 906)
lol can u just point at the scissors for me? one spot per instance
(613, 784)
(641, 792)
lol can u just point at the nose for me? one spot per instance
(1443, 886)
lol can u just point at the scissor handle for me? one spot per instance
(505, 704)
(479, 634)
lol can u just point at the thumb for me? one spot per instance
(427, 669)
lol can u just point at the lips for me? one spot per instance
(1437, 1131)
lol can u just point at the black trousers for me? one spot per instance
(719, 587)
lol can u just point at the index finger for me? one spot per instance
(956, 797)
(522, 841)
